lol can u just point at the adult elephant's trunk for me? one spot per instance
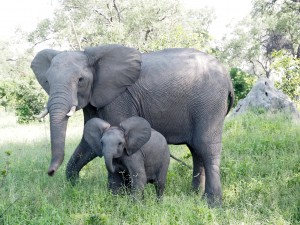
(109, 162)
(58, 127)
(58, 108)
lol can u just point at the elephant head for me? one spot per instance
(74, 79)
(111, 142)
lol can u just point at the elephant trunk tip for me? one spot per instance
(51, 172)
(54, 167)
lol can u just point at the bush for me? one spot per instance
(29, 99)
(6, 94)
(242, 83)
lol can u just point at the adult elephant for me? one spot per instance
(183, 93)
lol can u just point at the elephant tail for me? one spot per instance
(230, 98)
(183, 163)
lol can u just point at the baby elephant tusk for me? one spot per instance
(73, 109)
(42, 114)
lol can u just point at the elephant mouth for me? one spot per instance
(45, 112)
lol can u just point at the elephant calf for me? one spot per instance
(134, 147)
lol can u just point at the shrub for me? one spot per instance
(29, 99)
(242, 83)
(6, 94)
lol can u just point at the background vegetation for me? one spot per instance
(260, 175)
(264, 43)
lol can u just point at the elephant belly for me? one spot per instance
(169, 112)
(151, 173)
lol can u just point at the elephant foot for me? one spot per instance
(213, 201)
(72, 177)
(137, 196)
(198, 183)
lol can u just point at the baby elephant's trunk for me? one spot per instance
(109, 162)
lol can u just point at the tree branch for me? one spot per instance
(268, 72)
(118, 12)
(147, 34)
(76, 36)
(253, 68)
(40, 42)
(111, 17)
(104, 16)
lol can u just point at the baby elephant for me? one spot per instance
(134, 147)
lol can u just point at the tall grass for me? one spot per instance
(260, 176)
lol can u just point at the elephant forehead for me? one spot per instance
(114, 132)
(68, 65)
(70, 58)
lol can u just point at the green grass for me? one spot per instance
(260, 176)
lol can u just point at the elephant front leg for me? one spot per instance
(118, 182)
(138, 182)
(81, 156)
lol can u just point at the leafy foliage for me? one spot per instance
(6, 93)
(30, 100)
(288, 69)
(146, 25)
(242, 83)
(19, 90)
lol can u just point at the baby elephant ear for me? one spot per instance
(92, 133)
(137, 133)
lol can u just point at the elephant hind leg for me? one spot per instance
(81, 156)
(160, 181)
(211, 154)
(198, 181)
(159, 188)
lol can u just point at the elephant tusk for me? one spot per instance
(72, 111)
(42, 114)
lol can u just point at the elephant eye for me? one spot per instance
(120, 143)
(80, 79)
(101, 143)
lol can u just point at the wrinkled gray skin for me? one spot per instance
(182, 93)
(132, 147)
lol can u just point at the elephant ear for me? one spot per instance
(137, 133)
(41, 63)
(117, 67)
(92, 133)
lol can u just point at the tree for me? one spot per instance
(288, 69)
(274, 25)
(8, 72)
(19, 90)
(146, 25)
